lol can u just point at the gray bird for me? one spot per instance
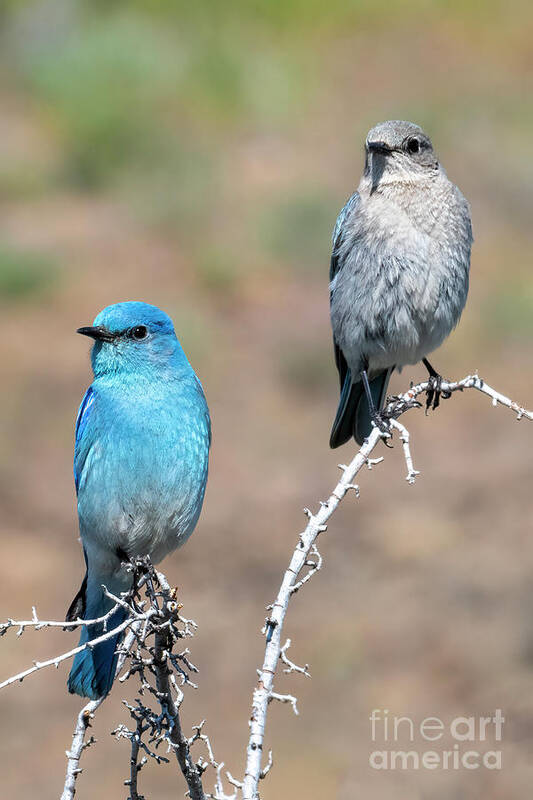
(399, 273)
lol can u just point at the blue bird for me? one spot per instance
(143, 434)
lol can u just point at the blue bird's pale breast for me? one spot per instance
(141, 464)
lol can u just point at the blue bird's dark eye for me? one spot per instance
(413, 146)
(139, 332)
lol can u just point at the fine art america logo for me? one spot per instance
(463, 742)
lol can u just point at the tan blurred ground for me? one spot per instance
(197, 160)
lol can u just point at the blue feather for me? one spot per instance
(93, 669)
(140, 464)
(82, 419)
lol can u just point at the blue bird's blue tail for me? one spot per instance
(353, 414)
(93, 669)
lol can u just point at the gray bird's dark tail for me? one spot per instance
(353, 414)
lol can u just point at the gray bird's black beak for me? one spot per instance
(98, 332)
(379, 147)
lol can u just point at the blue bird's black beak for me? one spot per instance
(98, 333)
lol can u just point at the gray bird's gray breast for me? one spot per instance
(403, 276)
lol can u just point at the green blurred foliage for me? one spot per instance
(173, 195)
(105, 76)
(509, 310)
(105, 82)
(218, 272)
(147, 102)
(297, 229)
(307, 369)
(24, 275)
(315, 15)
(196, 332)
(18, 182)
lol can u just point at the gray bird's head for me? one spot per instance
(398, 151)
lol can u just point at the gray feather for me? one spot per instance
(400, 261)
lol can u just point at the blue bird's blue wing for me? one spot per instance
(206, 410)
(84, 414)
(93, 669)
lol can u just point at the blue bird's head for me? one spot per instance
(133, 337)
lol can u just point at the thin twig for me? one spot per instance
(56, 661)
(39, 624)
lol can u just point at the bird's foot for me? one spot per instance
(144, 574)
(396, 406)
(381, 421)
(435, 392)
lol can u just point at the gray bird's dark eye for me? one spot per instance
(413, 146)
(139, 332)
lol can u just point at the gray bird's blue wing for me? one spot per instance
(353, 416)
(84, 414)
(339, 232)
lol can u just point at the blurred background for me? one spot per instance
(195, 155)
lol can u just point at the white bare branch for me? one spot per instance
(83, 722)
(37, 624)
(79, 744)
(404, 438)
(284, 698)
(317, 523)
(291, 666)
(57, 660)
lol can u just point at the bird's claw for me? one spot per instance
(434, 392)
(396, 405)
(381, 421)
